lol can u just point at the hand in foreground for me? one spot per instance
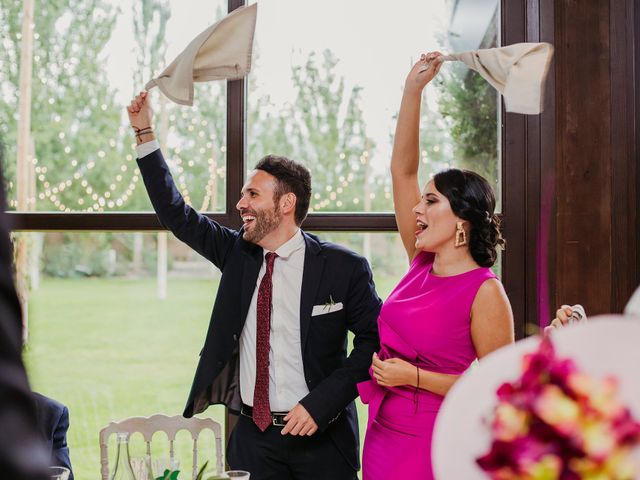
(299, 422)
(140, 112)
(564, 316)
(424, 71)
(393, 372)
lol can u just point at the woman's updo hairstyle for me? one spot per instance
(472, 199)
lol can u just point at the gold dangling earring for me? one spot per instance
(461, 235)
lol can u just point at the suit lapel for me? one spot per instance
(311, 276)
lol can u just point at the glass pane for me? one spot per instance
(88, 59)
(326, 87)
(103, 342)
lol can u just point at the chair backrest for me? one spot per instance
(147, 426)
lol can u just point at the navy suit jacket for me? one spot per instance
(331, 273)
(53, 422)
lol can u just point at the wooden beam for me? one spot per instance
(583, 154)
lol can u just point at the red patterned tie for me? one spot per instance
(261, 408)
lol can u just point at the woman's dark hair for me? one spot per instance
(291, 177)
(472, 199)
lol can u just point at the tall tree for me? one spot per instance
(323, 128)
(199, 144)
(78, 145)
(470, 105)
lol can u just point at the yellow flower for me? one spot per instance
(581, 384)
(604, 398)
(622, 465)
(547, 468)
(510, 422)
(558, 410)
(598, 439)
(618, 466)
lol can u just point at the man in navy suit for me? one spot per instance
(53, 422)
(276, 348)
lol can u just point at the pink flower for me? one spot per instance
(556, 422)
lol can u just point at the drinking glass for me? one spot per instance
(60, 473)
(238, 474)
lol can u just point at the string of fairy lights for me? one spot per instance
(96, 201)
(125, 182)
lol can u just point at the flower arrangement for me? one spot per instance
(557, 422)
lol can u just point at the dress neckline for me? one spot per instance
(444, 277)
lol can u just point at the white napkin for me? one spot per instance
(633, 307)
(221, 52)
(518, 72)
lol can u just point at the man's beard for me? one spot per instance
(266, 222)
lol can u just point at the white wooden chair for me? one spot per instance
(147, 426)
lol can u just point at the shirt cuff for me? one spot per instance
(145, 149)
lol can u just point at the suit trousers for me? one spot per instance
(269, 455)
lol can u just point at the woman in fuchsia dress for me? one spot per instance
(449, 308)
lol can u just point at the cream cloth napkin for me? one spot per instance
(221, 52)
(633, 307)
(518, 72)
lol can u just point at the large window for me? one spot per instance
(88, 59)
(326, 86)
(111, 338)
(325, 89)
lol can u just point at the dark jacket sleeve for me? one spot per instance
(210, 239)
(59, 447)
(329, 398)
(53, 422)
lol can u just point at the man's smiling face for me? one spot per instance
(258, 207)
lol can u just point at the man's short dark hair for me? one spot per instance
(291, 177)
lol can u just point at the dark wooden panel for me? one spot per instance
(361, 222)
(513, 181)
(236, 161)
(116, 221)
(583, 154)
(623, 154)
(636, 157)
(369, 222)
(533, 228)
(236, 139)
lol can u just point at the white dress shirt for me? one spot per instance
(287, 385)
(146, 148)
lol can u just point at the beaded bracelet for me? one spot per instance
(142, 131)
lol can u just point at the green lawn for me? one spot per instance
(110, 349)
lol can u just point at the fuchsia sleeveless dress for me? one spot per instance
(426, 321)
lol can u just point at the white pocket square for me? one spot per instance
(327, 308)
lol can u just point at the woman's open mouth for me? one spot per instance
(421, 227)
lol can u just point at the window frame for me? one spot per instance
(526, 155)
